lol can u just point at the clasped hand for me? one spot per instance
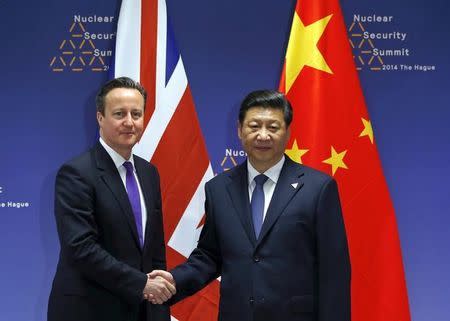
(160, 287)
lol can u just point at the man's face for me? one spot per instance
(122, 125)
(264, 136)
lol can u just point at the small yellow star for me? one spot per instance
(302, 48)
(367, 131)
(296, 154)
(336, 160)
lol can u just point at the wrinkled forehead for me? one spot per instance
(124, 97)
(264, 113)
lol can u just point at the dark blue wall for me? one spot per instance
(229, 48)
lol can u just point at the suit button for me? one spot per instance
(251, 300)
(256, 258)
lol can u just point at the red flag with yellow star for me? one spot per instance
(332, 132)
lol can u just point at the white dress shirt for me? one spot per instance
(118, 161)
(273, 174)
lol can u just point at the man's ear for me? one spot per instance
(239, 129)
(99, 118)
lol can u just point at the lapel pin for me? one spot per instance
(294, 185)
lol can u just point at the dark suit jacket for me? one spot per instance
(101, 271)
(299, 267)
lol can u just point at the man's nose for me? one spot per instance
(263, 134)
(128, 120)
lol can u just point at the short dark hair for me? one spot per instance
(121, 82)
(266, 99)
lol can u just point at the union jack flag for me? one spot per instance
(146, 51)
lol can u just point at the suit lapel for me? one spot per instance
(238, 191)
(287, 186)
(111, 177)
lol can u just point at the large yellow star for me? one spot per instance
(295, 153)
(367, 131)
(336, 160)
(302, 48)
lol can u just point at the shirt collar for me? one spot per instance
(116, 157)
(272, 173)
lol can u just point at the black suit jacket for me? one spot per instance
(102, 269)
(298, 268)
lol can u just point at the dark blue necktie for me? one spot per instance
(257, 203)
(135, 200)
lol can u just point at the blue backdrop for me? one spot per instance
(229, 48)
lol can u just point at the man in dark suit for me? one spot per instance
(274, 230)
(109, 221)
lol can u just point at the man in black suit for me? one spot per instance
(274, 230)
(109, 221)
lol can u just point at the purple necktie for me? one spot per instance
(257, 203)
(135, 200)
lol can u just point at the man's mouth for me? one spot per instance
(262, 147)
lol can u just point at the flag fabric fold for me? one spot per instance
(146, 51)
(332, 132)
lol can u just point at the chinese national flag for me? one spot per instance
(332, 132)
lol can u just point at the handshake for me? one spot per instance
(160, 287)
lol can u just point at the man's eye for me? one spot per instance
(136, 114)
(118, 113)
